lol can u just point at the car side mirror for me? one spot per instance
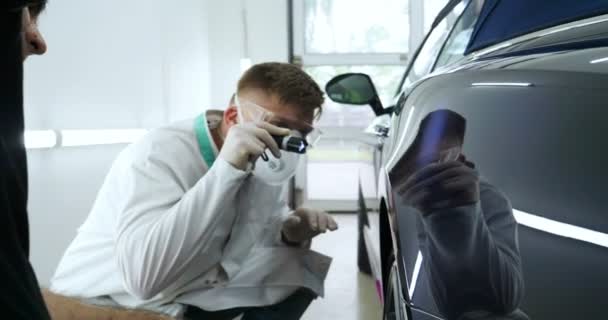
(355, 89)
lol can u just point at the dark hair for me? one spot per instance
(36, 7)
(290, 83)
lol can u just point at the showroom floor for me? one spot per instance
(348, 293)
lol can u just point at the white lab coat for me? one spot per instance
(167, 231)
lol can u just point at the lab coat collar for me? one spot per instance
(202, 129)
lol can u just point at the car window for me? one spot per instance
(425, 60)
(458, 40)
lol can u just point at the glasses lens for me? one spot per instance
(251, 112)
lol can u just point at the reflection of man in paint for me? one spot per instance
(467, 232)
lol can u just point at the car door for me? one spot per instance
(444, 45)
(533, 128)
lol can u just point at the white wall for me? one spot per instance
(127, 64)
(266, 39)
(119, 64)
(110, 64)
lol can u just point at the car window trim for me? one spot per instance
(443, 46)
(442, 15)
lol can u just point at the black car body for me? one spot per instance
(536, 114)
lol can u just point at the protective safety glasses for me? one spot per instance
(251, 112)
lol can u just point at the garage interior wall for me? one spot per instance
(263, 38)
(134, 64)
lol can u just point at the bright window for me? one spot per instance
(356, 26)
(386, 79)
(425, 60)
(431, 9)
(461, 35)
(333, 37)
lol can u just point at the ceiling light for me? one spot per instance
(40, 139)
(73, 138)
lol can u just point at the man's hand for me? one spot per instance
(246, 142)
(441, 186)
(305, 224)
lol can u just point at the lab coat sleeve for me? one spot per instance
(276, 227)
(163, 228)
(472, 255)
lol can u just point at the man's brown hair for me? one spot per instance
(288, 82)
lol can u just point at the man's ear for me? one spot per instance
(231, 116)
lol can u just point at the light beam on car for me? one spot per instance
(561, 229)
(599, 60)
(539, 223)
(401, 141)
(502, 84)
(416, 273)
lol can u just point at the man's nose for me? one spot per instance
(34, 41)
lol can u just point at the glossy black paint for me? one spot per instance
(542, 142)
(545, 146)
